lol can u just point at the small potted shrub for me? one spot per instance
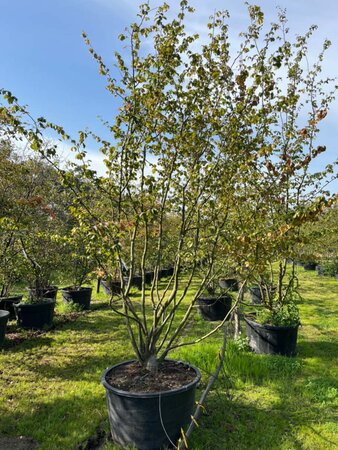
(230, 284)
(262, 289)
(11, 271)
(12, 188)
(310, 265)
(37, 310)
(4, 316)
(111, 282)
(214, 306)
(80, 266)
(274, 328)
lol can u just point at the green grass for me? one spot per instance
(50, 383)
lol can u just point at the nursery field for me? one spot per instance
(50, 387)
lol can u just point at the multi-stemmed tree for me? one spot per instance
(209, 161)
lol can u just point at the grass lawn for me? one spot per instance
(50, 383)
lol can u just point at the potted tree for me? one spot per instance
(214, 306)
(4, 316)
(11, 271)
(139, 211)
(11, 261)
(40, 224)
(37, 310)
(80, 266)
(193, 144)
(274, 328)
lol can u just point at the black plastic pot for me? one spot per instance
(148, 277)
(7, 304)
(46, 292)
(35, 315)
(81, 296)
(110, 287)
(170, 271)
(310, 266)
(271, 340)
(163, 273)
(4, 316)
(320, 271)
(136, 281)
(255, 294)
(145, 420)
(231, 284)
(214, 308)
(167, 272)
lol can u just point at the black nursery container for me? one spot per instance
(81, 296)
(46, 292)
(214, 308)
(148, 277)
(271, 340)
(136, 281)
(256, 295)
(167, 272)
(231, 284)
(110, 287)
(320, 271)
(4, 316)
(146, 420)
(35, 315)
(7, 303)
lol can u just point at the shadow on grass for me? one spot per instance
(320, 349)
(78, 350)
(57, 423)
(243, 426)
(31, 338)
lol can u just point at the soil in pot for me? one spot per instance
(4, 316)
(35, 315)
(230, 284)
(7, 303)
(145, 409)
(214, 308)
(81, 296)
(45, 292)
(271, 340)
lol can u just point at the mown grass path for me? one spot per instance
(50, 389)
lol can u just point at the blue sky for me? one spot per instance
(45, 63)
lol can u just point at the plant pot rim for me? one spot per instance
(74, 289)
(147, 395)
(4, 314)
(269, 327)
(51, 286)
(213, 298)
(256, 286)
(11, 297)
(42, 301)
